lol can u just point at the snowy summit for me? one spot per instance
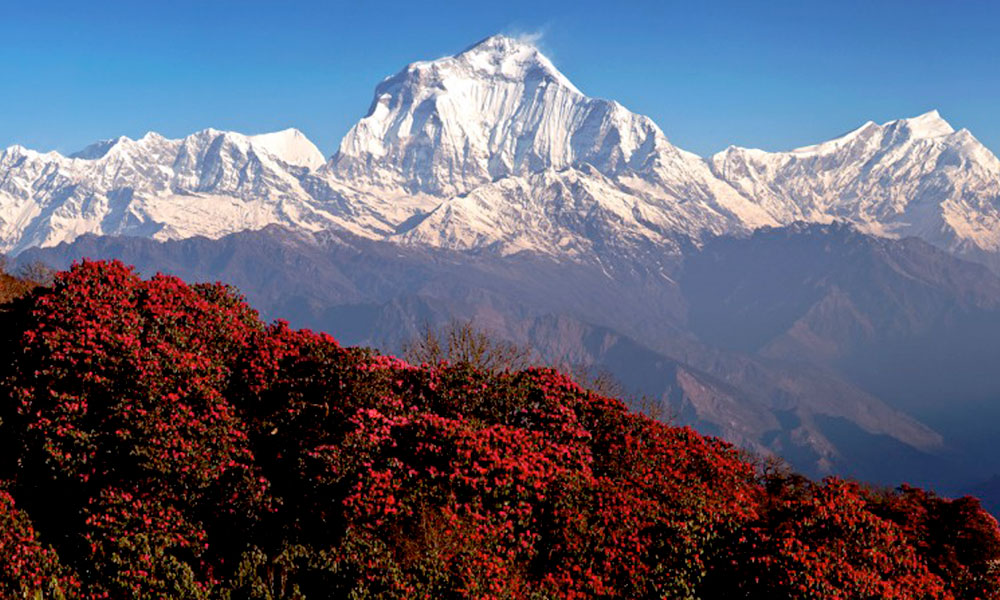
(499, 108)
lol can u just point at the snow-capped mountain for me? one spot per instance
(498, 109)
(210, 183)
(495, 150)
(519, 159)
(911, 177)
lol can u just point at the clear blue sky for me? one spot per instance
(768, 74)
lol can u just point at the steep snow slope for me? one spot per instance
(577, 213)
(290, 146)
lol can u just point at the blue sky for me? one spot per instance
(772, 75)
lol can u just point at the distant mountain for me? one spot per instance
(494, 150)
(900, 319)
(833, 297)
(498, 109)
(520, 160)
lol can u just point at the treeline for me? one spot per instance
(157, 440)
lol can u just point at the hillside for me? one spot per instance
(816, 305)
(160, 441)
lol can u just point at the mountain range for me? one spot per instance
(823, 304)
(495, 150)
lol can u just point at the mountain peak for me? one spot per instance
(496, 109)
(291, 146)
(509, 57)
(928, 125)
(499, 42)
(500, 45)
(99, 149)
